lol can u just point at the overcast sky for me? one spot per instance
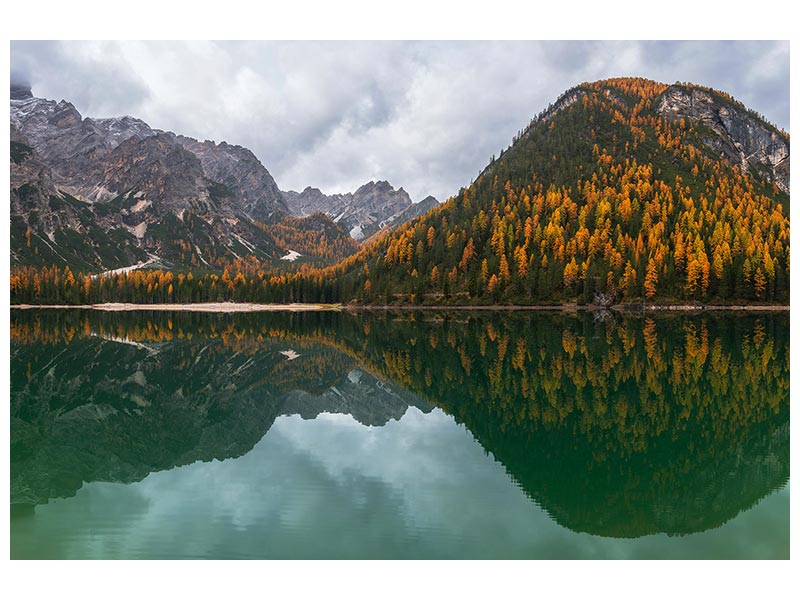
(423, 115)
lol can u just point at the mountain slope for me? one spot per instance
(100, 194)
(623, 189)
(738, 134)
(242, 173)
(73, 147)
(51, 227)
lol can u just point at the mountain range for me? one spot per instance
(371, 208)
(98, 194)
(623, 190)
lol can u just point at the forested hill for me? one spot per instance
(624, 189)
(625, 186)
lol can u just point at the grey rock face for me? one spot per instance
(377, 202)
(132, 187)
(254, 189)
(71, 146)
(159, 170)
(414, 211)
(80, 153)
(26, 166)
(118, 129)
(32, 185)
(373, 206)
(48, 227)
(740, 137)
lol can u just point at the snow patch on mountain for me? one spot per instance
(292, 256)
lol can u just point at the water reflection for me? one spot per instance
(669, 424)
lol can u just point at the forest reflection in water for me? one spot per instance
(663, 424)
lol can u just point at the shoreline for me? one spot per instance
(220, 307)
(230, 307)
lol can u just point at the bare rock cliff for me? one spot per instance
(740, 136)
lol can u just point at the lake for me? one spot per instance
(399, 435)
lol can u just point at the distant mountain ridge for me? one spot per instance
(373, 206)
(80, 152)
(98, 194)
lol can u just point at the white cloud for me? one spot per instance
(424, 115)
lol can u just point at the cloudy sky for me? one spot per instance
(424, 115)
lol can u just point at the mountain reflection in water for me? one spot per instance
(635, 426)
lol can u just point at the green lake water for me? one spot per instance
(399, 435)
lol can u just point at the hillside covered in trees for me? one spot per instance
(625, 188)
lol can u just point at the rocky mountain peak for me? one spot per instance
(65, 115)
(373, 206)
(158, 168)
(21, 91)
(77, 150)
(254, 190)
(118, 129)
(309, 193)
(376, 186)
